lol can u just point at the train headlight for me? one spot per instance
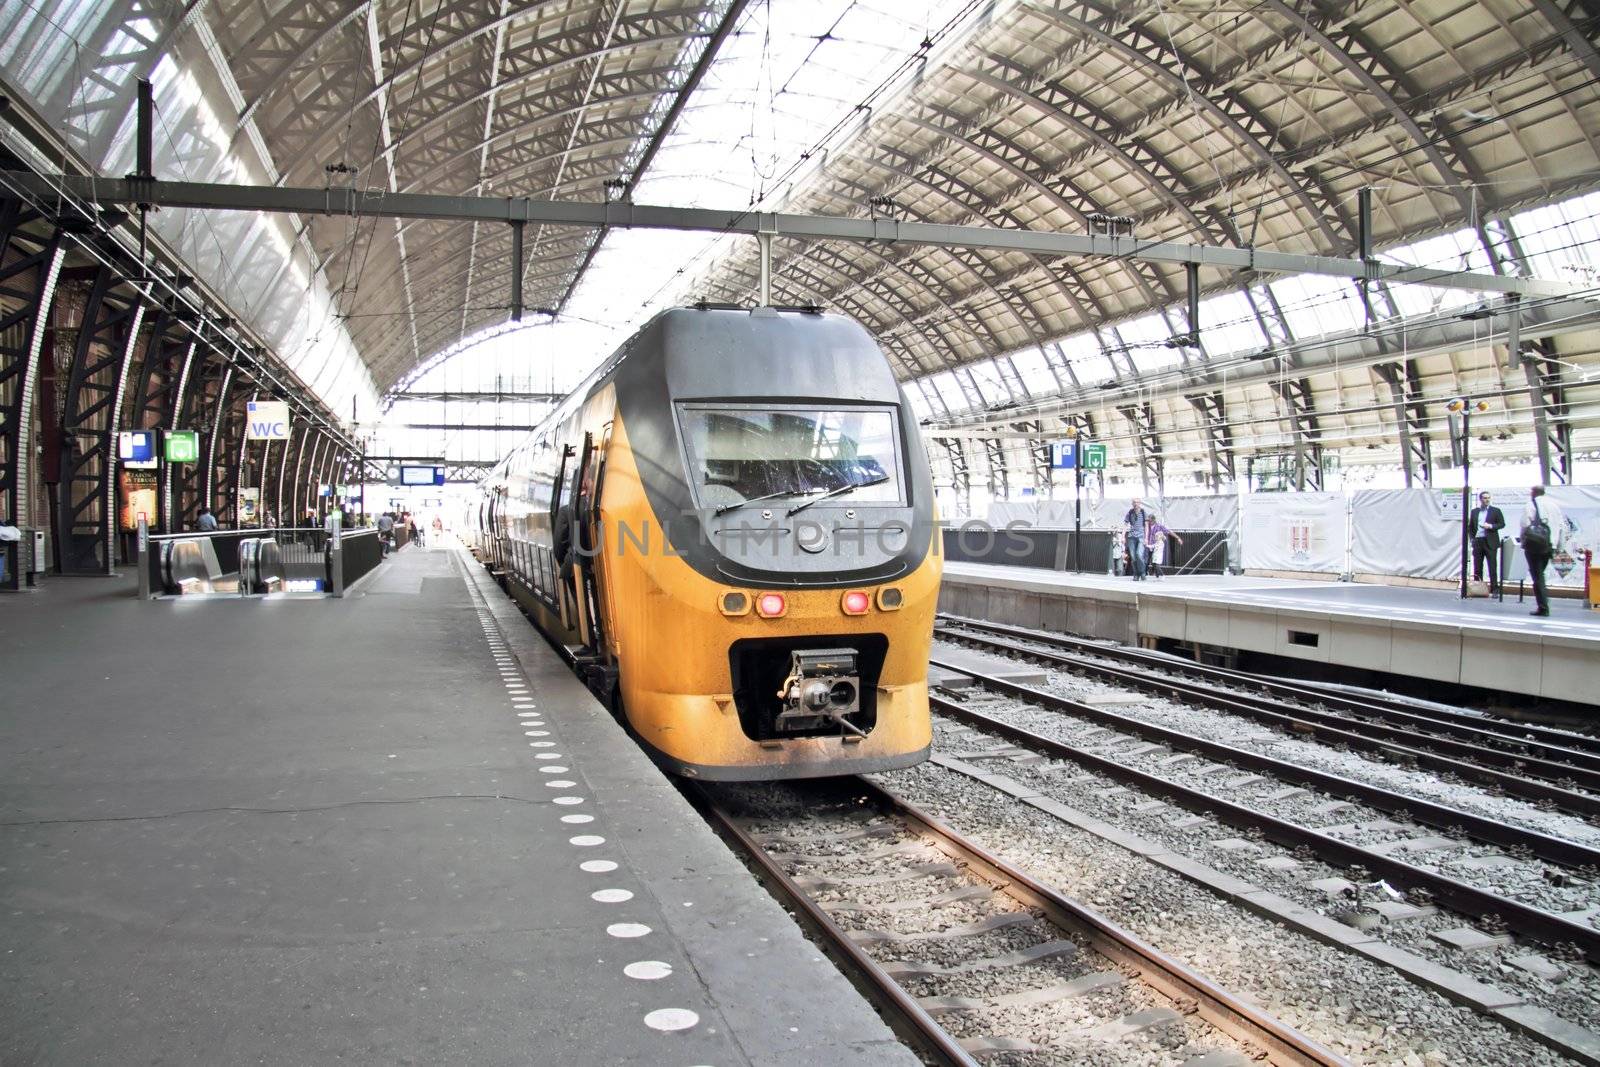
(771, 605)
(890, 598)
(855, 602)
(734, 604)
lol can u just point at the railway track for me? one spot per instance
(1436, 743)
(1373, 704)
(1469, 900)
(975, 957)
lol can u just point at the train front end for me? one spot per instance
(785, 632)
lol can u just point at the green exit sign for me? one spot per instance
(183, 446)
(1094, 457)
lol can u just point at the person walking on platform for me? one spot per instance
(386, 531)
(207, 522)
(1544, 532)
(1136, 520)
(1486, 522)
(1156, 538)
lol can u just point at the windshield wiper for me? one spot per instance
(843, 489)
(724, 509)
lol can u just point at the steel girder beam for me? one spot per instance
(1108, 29)
(1147, 439)
(725, 26)
(1016, 161)
(91, 406)
(157, 388)
(29, 268)
(974, 204)
(1411, 419)
(212, 196)
(1300, 409)
(1371, 69)
(475, 397)
(198, 407)
(518, 427)
(241, 464)
(1219, 437)
(999, 476)
(1548, 403)
(221, 473)
(960, 475)
(304, 443)
(1576, 41)
(543, 58)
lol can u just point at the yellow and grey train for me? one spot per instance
(729, 530)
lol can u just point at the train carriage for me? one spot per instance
(729, 529)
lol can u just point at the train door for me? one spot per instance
(605, 602)
(561, 541)
(586, 533)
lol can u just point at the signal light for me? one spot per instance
(771, 605)
(890, 598)
(734, 604)
(855, 602)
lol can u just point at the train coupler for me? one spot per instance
(823, 685)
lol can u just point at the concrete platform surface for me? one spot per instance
(1428, 634)
(1568, 617)
(316, 831)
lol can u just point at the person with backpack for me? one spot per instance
(1136, 520)
(1544, 532)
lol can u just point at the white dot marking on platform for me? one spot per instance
(541, 744)
(648, 970)
(598, 866)
(536, 733)
(548, 755)
(553, 769)
(671, 1019)
(586, 840)
(610, 896)
(560, 783)
(569, 801)
(627, 929)
(526, 714)
(577, 820)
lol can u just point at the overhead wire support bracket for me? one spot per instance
(594, 215)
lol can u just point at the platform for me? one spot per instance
(1420, 633)
(314, 831)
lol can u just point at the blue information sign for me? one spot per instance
(1064, 455)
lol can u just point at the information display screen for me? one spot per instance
(420, 476)
(137, 448)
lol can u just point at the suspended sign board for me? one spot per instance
(137, 448)
(1064, 455)
(421, 475)
(267, 420)
(183, 446)
(1094, 457)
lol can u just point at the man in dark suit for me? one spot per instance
(1486, 522)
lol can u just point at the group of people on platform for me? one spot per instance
(1543, 532)
(1145, 540)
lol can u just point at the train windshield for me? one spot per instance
(737, 454)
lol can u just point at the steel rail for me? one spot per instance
(884, 989)
(1329, 727)
(1547, 847)
(1170, 976)
(1465, 899)
(1554, 744)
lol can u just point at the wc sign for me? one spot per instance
(267, 420)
